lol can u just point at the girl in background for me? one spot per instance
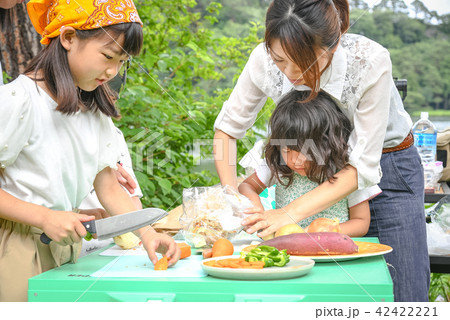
(57, 139)
(307, 47)
(307, 146)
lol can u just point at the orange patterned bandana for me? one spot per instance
(50, 16)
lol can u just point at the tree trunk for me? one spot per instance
(19, 42)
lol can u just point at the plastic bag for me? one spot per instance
(210, 213)
(438, 231)
(432, 174)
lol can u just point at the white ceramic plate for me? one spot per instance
(367, 249)
(346, 257)
(297, 266)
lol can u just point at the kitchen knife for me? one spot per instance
(120, 224)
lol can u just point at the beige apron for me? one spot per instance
(23, 255)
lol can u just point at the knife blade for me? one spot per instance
(120, 224)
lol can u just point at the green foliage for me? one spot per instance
(427, 72)
(419, 50)
(193, 54)
(439, 287)
(174, 92)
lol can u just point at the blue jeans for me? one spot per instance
(398, 220)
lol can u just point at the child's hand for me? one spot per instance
(254, 209)
(98, 213)
(125, 179)
(158, 242)
(64, 227)
(267, 222)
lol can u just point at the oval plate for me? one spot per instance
(297, 266)
(365, 249)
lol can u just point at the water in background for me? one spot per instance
(440, 124)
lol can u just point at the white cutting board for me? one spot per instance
(137, 266)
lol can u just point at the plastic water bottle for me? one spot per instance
(425, 135)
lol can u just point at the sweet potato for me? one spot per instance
(185, 250)
(314, 243)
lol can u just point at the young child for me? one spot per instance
(307, 146)
(57, 139)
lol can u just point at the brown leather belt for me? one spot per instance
(408, 142)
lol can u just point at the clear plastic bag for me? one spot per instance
(432, 174)
(438, 231)
(210, 213)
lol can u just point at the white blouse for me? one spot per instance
(91, 201)
(360, 80)
(49, 158)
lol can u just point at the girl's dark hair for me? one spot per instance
(303, 27)
(317, 128)
(53, 63)
(5, 18)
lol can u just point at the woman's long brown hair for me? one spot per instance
(303, 27)
(54, 69)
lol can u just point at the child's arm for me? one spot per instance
(359, 220)
(63, 227)
(116, 201)
(251, 188)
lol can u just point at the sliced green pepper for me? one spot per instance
(269, 255)
(267, 262)
(281, 262)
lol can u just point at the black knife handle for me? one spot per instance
(89, 225)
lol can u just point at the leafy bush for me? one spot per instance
(173, 94)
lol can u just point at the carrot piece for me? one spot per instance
(257, 263)
(162, 264)
(185, 250)
(210, 263)
(207, 253)
(234, 263)
(223, 263)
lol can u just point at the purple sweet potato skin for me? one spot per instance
(314, 243)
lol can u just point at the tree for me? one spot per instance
(419, 8)
(396, 6)
(358, 4)
(19, 42)
(174, 94)
(409, 30)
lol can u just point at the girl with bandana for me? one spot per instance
(57, 138)
(307, 47)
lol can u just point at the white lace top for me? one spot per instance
(46, 157)
(360, 80)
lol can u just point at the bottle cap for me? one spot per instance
(424, 115)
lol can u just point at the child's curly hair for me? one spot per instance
(316, 128)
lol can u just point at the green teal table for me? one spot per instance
(363, 279)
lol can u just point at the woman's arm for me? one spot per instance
(315, 201)
(359, 220)
(225, 158)
(252, 188)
